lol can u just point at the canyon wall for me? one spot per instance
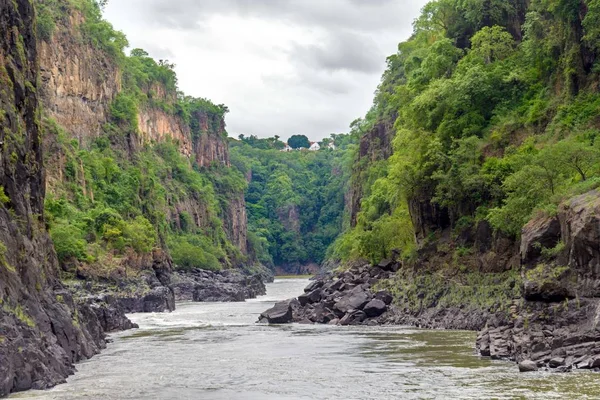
(80, 82)
(42, 331)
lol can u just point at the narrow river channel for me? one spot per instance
(216, 351)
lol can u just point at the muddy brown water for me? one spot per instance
(216, 351)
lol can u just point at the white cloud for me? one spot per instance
(282, 66)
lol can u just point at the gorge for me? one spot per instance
(466, 199)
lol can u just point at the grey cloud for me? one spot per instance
(344, 51)
(356, 14)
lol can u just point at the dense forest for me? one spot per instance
(295, 200)
(491, 111)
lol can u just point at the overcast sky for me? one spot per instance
(283, 67)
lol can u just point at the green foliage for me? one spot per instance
(68, 242)
(494, 107)
(298, 142)
(295, 200)
(46, 18)
(109, 204)
(124, 110)
(4, 199)
(100, 32)
(195, 252)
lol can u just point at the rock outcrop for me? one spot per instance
(557, 326)
(43, 330)
(347, 298)
(225, 286)
(78, 81)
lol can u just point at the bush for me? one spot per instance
(125, 111)
(68, 242)
(194, 252)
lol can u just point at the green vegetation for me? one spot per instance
(295, 200)
(494, 107)
(299, 142)
(108, 207)
(473, 290)
(116, 198)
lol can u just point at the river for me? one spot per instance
(216, 351)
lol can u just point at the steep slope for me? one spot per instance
(138, 174)
(42, 331)
(486, 118)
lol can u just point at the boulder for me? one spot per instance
(389, 265)
(375, 308)
(539, 233)
(384, 296)
(556, 362)
(310, 298)
(527, 366)
(355, 317)
(280, 313)
(314, 285)
(321, 314)
(355, 300)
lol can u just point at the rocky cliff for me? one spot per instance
(557, 324)
(42, 329)
(375, 145)
(80, 82)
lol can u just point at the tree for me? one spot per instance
(493, 43)
(299, 142)
(577, 156)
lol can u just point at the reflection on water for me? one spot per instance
(216, 351)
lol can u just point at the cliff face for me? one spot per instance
(42, 332)
(79, 83)
(557, 323)
(375, 145)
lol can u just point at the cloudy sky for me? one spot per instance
(283, 67)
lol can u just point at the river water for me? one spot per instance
(216, 351)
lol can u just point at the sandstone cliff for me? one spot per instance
(80, 82)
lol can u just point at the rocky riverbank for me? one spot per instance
(546, 318)
(346, 298)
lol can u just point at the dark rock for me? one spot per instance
(389, 265)
(281, 313)
(355, 317)
(225, 286)
(539, 233)
(313, 286)
(556, 362)
(375, 308)
(355, 300)
(321, 314)
(527, 366)
(384, 296)
(310, 298)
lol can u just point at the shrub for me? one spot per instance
(68, 242)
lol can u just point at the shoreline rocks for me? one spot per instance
(347, 298)
(223, 286)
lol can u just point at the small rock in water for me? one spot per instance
(281, 313)
(528, 366)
